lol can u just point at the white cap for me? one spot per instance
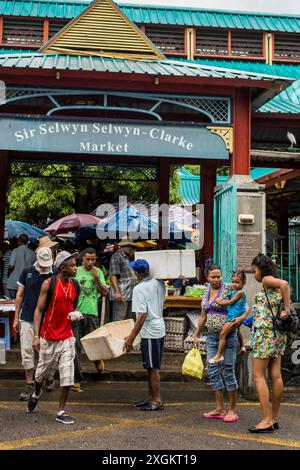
(44, 257)
(62, 256)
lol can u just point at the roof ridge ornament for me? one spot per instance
(103, 30)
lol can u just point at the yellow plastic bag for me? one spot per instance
(192, 364)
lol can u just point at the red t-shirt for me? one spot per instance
(56, 325)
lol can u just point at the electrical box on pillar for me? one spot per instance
(246, 219)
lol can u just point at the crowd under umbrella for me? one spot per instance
(71, 223)
(15, 228)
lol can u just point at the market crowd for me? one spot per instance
(58, 294)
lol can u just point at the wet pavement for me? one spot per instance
(121, 426)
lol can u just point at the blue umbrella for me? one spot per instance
(15, 228)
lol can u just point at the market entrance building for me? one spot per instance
(99, 91)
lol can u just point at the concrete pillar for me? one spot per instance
(4, 167)
(251, 239)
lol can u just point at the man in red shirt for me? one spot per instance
(54, 340)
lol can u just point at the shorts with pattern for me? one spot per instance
(266, 343)
(56, 355)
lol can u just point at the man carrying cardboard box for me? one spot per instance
(147, 303)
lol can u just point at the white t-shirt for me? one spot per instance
(148, 297)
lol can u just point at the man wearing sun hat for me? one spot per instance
(29, 286)
(122, 280)
(47, 242)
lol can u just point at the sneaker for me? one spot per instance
(64, 419)
(24, 396)
(76, 387)
(32, 404)
(140, 403)
(50, 385)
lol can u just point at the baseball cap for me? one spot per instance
(140, 266)
(44, 257)
(62, 256)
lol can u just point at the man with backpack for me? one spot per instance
(53, 336)
(29, 286)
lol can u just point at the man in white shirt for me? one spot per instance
(147, 303)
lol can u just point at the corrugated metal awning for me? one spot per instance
(112, 65)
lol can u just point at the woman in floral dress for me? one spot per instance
(268, 345)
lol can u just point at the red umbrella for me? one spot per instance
(71, 223)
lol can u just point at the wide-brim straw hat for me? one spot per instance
(126, 242)
(46, 242)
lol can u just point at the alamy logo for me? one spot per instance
(2, 92)
(296, 354)
(151, 222)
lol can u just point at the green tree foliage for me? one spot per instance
(174, 187)
(31, 199)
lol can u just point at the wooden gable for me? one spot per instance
(102, 29)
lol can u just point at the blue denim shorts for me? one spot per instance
(222, 374)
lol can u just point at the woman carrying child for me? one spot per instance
(221, 375)
(237, 305)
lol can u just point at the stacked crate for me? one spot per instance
(175, 333)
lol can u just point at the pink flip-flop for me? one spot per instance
(206, 416)
(231, 419)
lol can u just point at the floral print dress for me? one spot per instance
(216, 314)
(265, 341)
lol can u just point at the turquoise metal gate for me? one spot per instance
(288, 262)
(225, 229)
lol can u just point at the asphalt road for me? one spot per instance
(120, 426)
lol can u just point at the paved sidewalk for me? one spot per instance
(123, 427)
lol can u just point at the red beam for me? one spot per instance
(278, 176)
(1, 29)
(276, 120)
(240, 159)
(275, 163)
(208, 182)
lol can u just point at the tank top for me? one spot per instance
(238, 309)
(56, 325)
